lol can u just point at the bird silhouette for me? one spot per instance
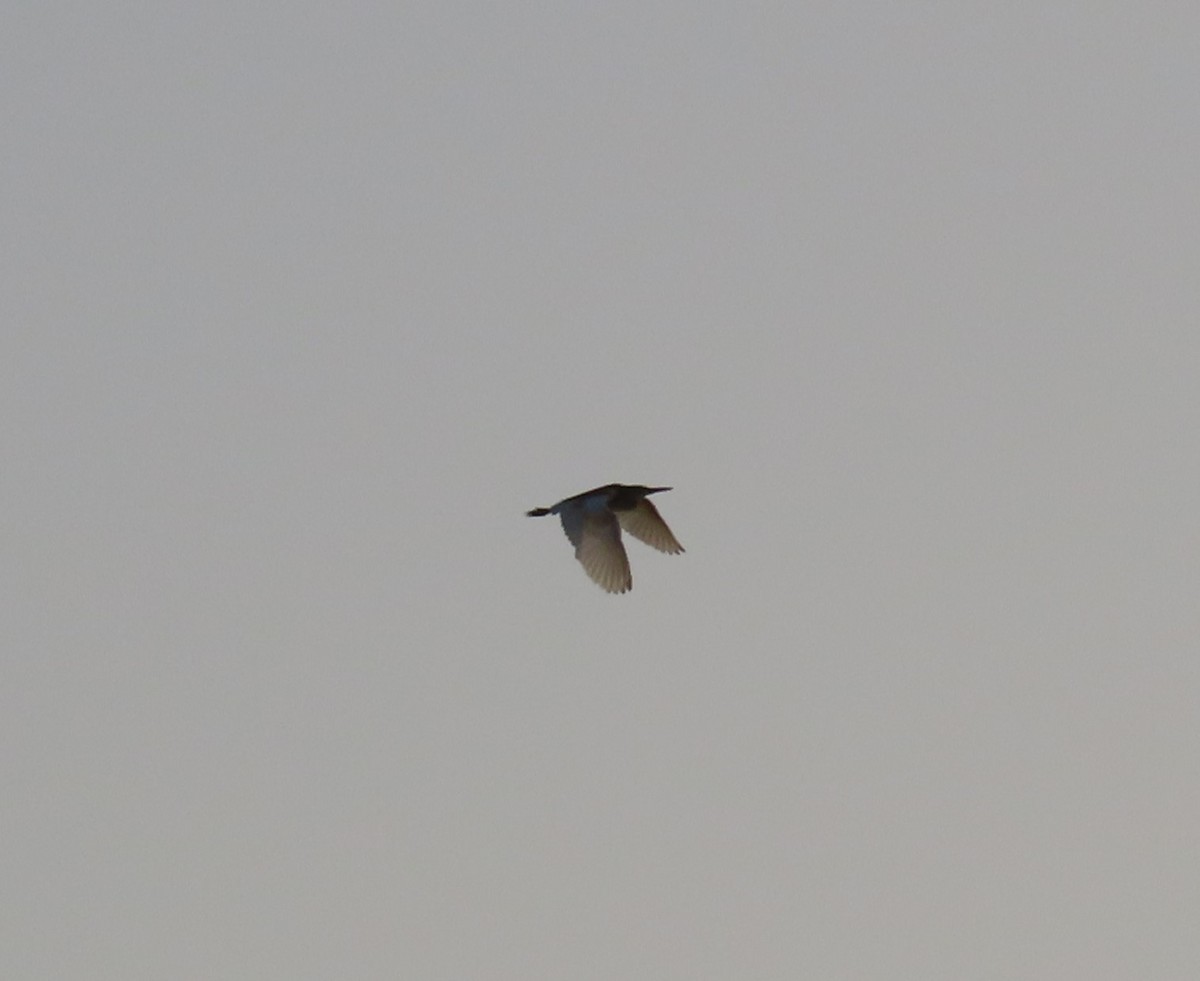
(594, 520)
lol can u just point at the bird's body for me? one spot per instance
(594, 521)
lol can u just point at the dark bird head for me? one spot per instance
(625, 497)
(639, 491)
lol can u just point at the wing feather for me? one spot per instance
(600, 551)
(646, 525)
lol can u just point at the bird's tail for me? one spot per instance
(537, 513)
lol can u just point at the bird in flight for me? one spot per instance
(594, 521)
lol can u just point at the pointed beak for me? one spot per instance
(657, 490)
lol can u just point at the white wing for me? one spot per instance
(597, 540)
(646, 524)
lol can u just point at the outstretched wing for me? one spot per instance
(597, 540)
(645, 524)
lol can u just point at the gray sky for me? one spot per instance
(303, 306)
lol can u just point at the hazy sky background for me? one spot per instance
(304, 304)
